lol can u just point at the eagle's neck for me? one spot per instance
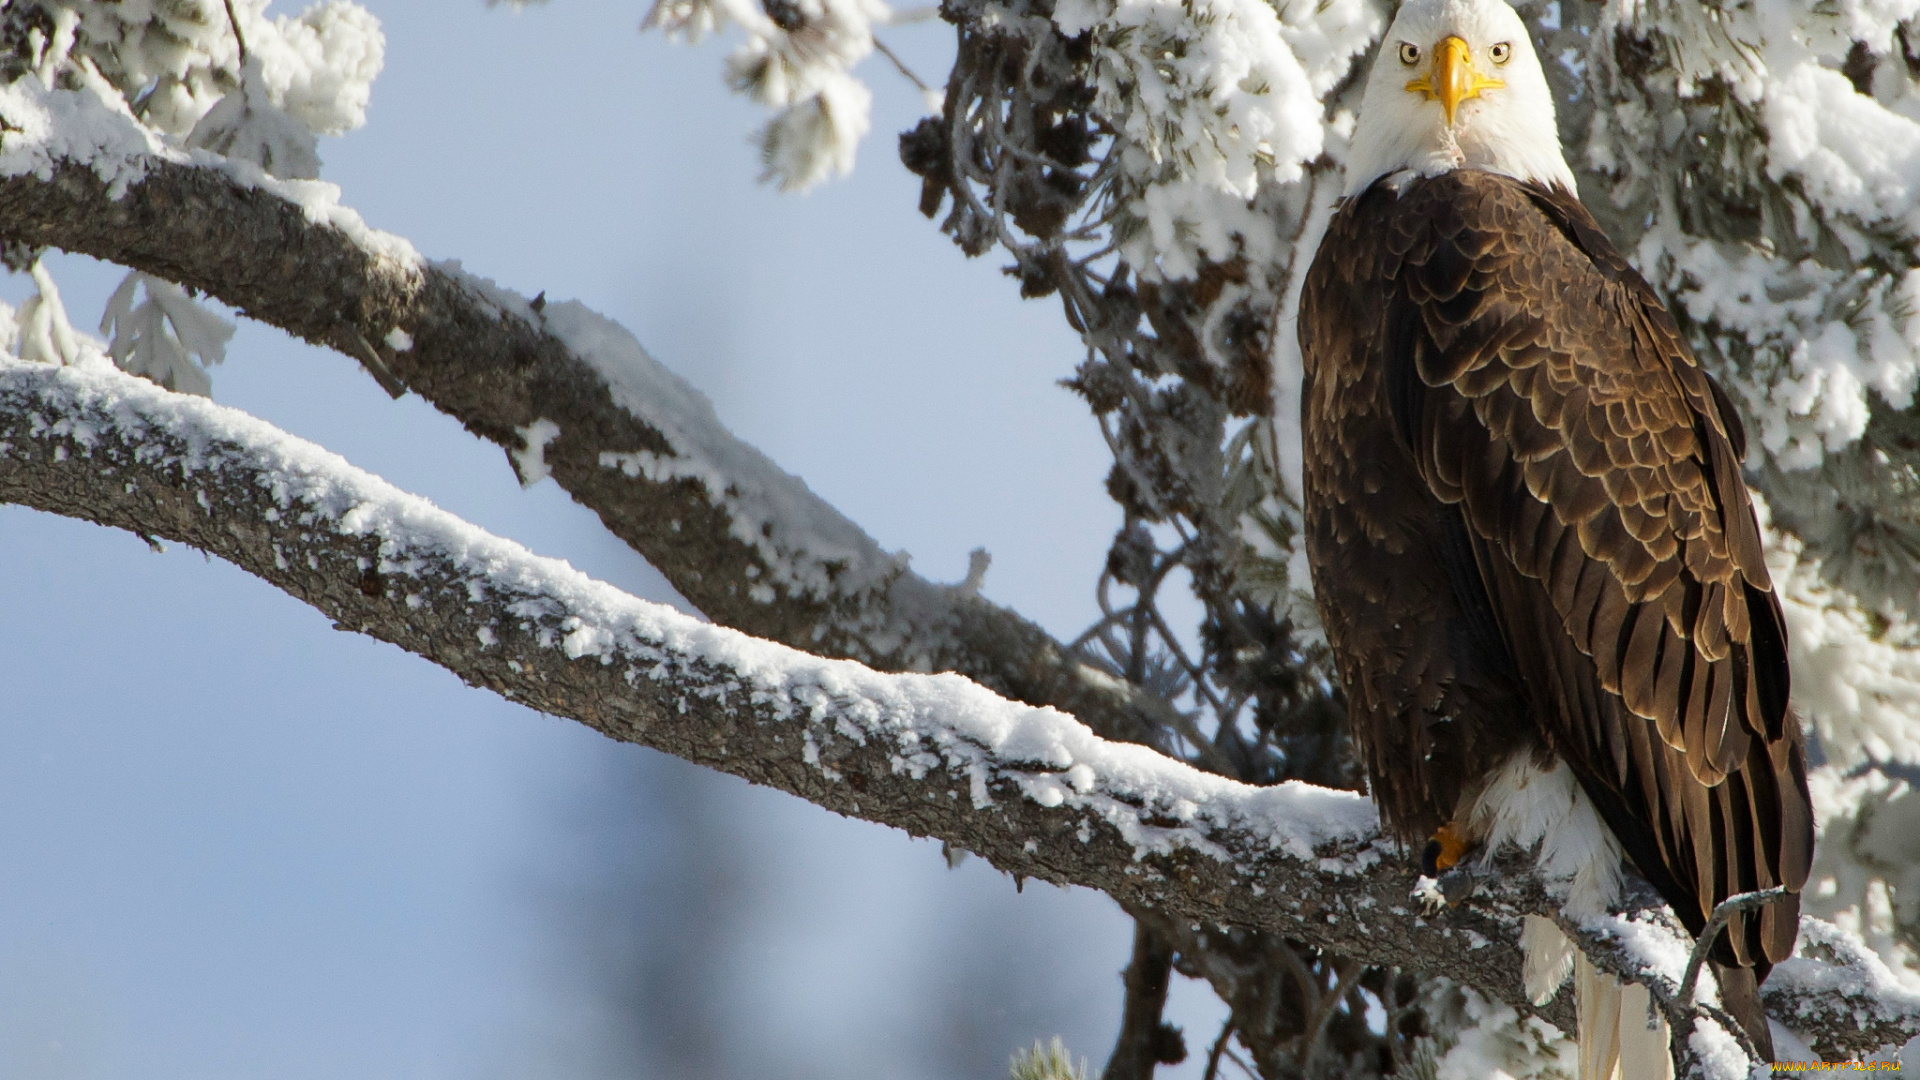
(1423, 150)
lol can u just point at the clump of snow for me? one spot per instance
(1207, 91)
(1720, 1055)
(40, 331)
(320, 65)
(810, 547)
(1866, 870)
(246, 125)
(119, 88)
(1211, 99)
(179, 58)
(1856, 672)
(1822, 338)
(1658, 945)
(530, 461)
(1834, 973)
(797, 59)
(1474, 1038)
(1820, 313)
(159, 337)
(48, 129)
(816, 137)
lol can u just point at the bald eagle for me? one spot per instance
(1535, 557)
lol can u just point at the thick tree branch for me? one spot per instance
(1031, 790)
(563, 391)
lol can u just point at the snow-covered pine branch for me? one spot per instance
(568, 394)
(1030, 789)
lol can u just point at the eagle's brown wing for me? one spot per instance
(1544, 392)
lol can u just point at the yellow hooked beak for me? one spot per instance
(1452, 78)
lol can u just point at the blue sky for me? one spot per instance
(237, 843)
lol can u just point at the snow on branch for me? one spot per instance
(1030, 789)
(567, 393)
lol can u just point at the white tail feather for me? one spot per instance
(1549, 958)
(1615, 1041)
(1645, 1050)
(1596, 997)
(1578, 857)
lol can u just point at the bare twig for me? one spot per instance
(900, 65)
(239, 39)
(1726, 909)
(1219, 1045)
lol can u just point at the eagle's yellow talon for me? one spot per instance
(1444, 851)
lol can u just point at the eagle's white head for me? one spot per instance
(1456, 85)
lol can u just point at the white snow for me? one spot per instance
(159, 337)
(247, 126)
(530, 461)
(318, 66)
(1856, 673)
(816, 137)
(1213, 98)
(1493, 1042)
(1656, 942)
(1806, 392)
(46, 129)
(1831, 963)
(811, 547)
(1720, 1055)
(800, 67)
(41, 331)
(1826, 331)
(1866, 869)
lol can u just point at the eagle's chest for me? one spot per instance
(1371, 531)
(1370, 520)
(1375, 544)
(1432, 700)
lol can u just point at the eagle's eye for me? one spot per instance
(1501, 53)
(1409, 53)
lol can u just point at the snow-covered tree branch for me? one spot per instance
(1030, 789)
(566, 394)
